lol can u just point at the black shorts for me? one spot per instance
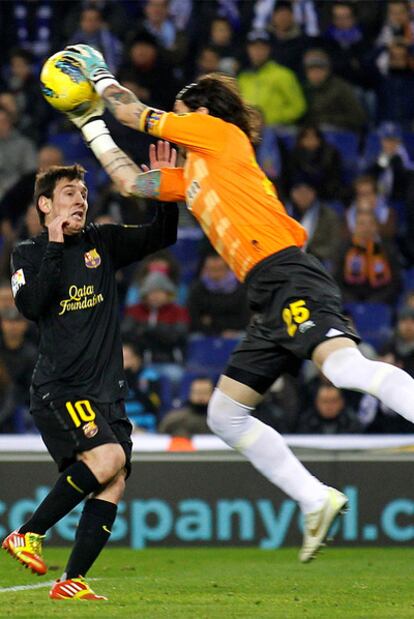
(71, 427)
(296, 305)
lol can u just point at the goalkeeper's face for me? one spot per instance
(70, 200)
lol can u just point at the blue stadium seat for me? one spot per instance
(209, 354)
(408, 279)
(73, 147)
(187, 252)
(347, 143)
(408, 139)
(371, 149)
(372, 320)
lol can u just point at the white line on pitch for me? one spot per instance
(39, 585)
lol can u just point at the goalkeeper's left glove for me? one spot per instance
(92, 65)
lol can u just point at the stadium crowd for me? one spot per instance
(333, 85)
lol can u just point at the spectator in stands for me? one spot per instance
(19, 196)
(223, 40)
(142, 404)
(18, 355)
(316, 161)
(368, 199)
(402, 344)
(217, 302)
(6, 296)
(368, 267)
(392, 168)
(375, 416)
(17, 153)
(208, 61)
(23, 83)
(395, 88)
(346, 45)
(8, 405)
(288, 42)
(318, 220)
(92, 30)
(192, 417)
(398, 24)
(159, 262)
(269, 86)
(152, 76)
(281, 404)
(329, 414)
(113, 14)
(332, 103)
(160, 326)
(158, 23)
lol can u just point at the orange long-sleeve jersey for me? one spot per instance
(231, 197)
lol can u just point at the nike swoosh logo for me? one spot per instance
(72, 483)
(314, 531)
(105, 528)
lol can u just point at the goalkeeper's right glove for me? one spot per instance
(92, 65)
(87, 112)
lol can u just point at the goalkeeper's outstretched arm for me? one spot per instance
(123, 104)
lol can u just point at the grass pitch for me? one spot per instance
(223, 583)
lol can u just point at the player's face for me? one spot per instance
(70, 200)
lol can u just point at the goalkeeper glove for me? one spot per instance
(87, 112)
(92, 65)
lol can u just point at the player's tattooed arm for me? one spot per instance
(124, 105)
(126, 175)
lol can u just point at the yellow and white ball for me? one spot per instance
(63, 84)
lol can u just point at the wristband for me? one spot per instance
(98, 137)
(102, 84)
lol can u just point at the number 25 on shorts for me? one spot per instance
(80, 412)
(294, 314)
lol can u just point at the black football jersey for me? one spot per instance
(69, 289)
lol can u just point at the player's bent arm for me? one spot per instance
(126, 175)
(166, 184)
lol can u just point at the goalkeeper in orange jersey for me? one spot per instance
(296, 303)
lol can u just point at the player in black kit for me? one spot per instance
(64, 280)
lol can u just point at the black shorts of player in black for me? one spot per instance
(296, 305)
(73, 426)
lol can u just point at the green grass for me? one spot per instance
(229, 583)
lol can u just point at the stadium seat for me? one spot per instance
(371, 149)
(347, 143)
(187, 252)
(408, 279)
(72, 145)
(209, 354)
(372, 320)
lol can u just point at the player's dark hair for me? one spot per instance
(220, 95)
(46, 182)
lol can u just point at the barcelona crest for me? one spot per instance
(92, 259)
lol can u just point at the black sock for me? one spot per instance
(93, 532)
(75, 483)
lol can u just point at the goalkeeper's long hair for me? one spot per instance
(219, 93)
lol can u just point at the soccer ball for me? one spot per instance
(63, 84)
